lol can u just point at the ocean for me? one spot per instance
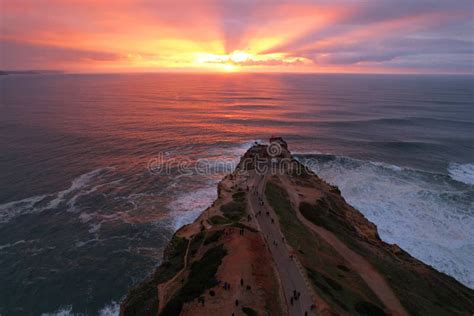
(83, 217)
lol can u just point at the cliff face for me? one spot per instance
(281, 241)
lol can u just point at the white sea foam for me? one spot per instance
(189, 205)
(10, 210)
(462, 172)
(112, 309)
(16, 208)
(62, 311)
(19, 242)
(423, 213)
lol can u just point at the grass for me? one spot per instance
(201, 278)
(213, 237)
(249, 311)
(296, 233)
(346, 297)
(239, 196)
(324, 212)
(174, 258)
(415, 293)
(340, 287)
(143, 299)
(414, 290)
(219, 220)
(196, 242)
(235, 209)
(240, 225)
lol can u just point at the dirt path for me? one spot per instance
(369, 274)
(163, 287)
(288, 270)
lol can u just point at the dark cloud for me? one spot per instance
(381, 51)
(375, 11)
(433, 63)
(386, 32)
(20, 55)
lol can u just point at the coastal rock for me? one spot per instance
(230, 262)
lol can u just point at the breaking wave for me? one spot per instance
(39, 203)
(462, 172)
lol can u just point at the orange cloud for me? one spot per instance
(300, 35)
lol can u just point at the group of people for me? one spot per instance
(294, 297)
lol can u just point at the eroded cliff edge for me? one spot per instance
(280, 241)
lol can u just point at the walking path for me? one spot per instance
(163, 292)
(289, 272)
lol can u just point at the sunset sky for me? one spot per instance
(397, 36)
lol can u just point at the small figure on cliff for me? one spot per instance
(242, 282)
(236, 302)
(201, 300)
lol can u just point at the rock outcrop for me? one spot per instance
(228, 262)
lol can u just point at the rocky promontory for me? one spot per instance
(280, 241)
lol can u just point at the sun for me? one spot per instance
(229, 67)
(226, 62)
(239, 56)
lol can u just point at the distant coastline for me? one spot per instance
(29, 72)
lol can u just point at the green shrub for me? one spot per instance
(219, 220)
(233, 210)
(201, 278)
(240, 225)
(239, 197)
(213, 237)
(249, 311)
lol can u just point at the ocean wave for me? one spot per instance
(188, 205)
(18, 242)
(401, 121)
(462, 172)
(62, 311)
(40, 203)
(10, 210)
(427, 214)
(112, 309)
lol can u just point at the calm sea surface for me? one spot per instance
(82, 218)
